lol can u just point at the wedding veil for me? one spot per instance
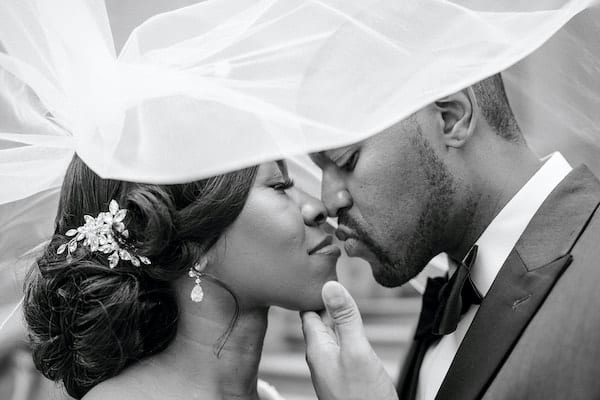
(225, 84)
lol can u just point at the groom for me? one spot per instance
(519, 319)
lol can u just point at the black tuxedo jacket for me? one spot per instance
(536, 334)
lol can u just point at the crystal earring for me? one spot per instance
(196, 272)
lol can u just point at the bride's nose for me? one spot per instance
(312, 209)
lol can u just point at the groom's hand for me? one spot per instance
(342, 364)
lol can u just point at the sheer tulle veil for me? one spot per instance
(225, 84)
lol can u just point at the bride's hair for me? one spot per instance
(88, 321)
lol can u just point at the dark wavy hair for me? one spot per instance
(86, 321)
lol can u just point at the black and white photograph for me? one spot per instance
(300, 199)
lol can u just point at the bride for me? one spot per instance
(162, 264)
(181, 310)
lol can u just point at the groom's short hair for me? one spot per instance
(491, 98)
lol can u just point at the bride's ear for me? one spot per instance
(210, 258)
(457, 117)
(201, 265)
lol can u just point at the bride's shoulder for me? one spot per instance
(120, 388)
(100, 392)
(267, 391)
(114, 388)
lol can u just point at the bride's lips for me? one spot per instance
(326, 247)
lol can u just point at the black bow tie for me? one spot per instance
(446, 300)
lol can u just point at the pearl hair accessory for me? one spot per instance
(197, 293)
(103, 234)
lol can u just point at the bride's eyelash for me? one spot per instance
(284, 185)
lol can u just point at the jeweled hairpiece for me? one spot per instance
(100, 233)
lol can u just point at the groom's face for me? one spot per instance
(391, 194)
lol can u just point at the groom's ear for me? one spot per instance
(457, 117)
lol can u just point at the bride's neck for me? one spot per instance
(194, 354)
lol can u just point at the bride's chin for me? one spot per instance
(315, 302)
(316, 306)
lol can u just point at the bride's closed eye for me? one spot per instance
(283, 185)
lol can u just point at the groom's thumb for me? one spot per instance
(345, 315)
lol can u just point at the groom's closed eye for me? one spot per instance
(343, 158)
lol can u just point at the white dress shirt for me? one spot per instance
(495, 244)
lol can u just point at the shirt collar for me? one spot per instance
(502, 234)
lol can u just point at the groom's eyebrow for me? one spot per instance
(319, 158)
(325, 156)
(335, 154)
(331, 155)
(282, 165)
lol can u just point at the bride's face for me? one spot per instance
(276, 252)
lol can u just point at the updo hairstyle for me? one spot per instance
(86, 321)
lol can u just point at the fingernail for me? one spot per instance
(334, 294)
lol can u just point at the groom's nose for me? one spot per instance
(335, 197)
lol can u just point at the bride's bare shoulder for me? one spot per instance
(147, 387)
(133, 383)
(114, 388)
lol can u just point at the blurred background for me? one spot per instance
(389, 314)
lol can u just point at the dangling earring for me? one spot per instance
(196, 272)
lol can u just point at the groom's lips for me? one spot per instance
(344, 233)
(325, 247)
(352, 244)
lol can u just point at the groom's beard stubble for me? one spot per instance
(395, 270)
(414, 250)
(386, 272)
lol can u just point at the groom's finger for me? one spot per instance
(327, 320)
(345, 315)
(317, 336)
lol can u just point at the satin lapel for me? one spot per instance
(512, 301)
(407, 382)
(528, 275)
